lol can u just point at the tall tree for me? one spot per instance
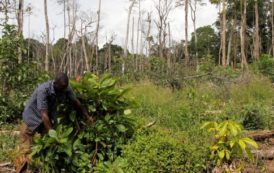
(47, 35)
(97, 36)
(148, 37)
(163, 9)
(243, 34)
(186, 32)
(272, 29)
(223, 28)
(64, 3)
(132, 2)
(193, 6)
(256, 44)
(20, 21)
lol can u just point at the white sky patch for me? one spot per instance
(113, 19)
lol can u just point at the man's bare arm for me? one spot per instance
(46, 121)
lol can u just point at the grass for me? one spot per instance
(8, 142)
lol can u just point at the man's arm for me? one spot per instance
(77, 104)
(46, 121)
(84, 111)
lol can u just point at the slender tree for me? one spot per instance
(186, 32)
(148, 37)
(256, 44)
(97, 37)
(132, 2)
(272, 23)
(20, 21)
(47, 35)
(163, 9)
(243, 34)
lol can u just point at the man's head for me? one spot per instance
(60, 82)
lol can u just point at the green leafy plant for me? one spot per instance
(229, 142)
(76, 144)
(256, 116)
(160, 150)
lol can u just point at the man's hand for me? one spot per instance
(46, 121)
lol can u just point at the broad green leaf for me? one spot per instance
(121, 128)
(227, 154)
(242, 145)
(250, 142)
(221, 154)
(52, 133)
(68, 132)
(127, 111)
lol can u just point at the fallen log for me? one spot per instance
(13, 133)
(267, 154)
(261, 135)
(5, 164)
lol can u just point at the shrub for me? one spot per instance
(161, 150)
(228, 142)
(266, 66)
(256, 116)
(76, 144)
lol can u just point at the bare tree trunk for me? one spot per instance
(20, 21)
(256, 44)
(109, 55)
(232, 30)
(169, 49)
(47, 35)
(128, 22)
(223, 36)
(186, 32)
(97, 35)
(132, 36)
(243, 34)
(193, 17)
(148, 32)
(272, 22)
(84, 48)
(64, 18)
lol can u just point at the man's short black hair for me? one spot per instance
(61, 78)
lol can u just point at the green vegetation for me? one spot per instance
(77, 144)
(228, 142)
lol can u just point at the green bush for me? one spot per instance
(266, 65)
(160, 150)
(76, 144)
(256, 116)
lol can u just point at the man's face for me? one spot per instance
(60, 87)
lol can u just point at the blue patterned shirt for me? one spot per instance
(44, 98)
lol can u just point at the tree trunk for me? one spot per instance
(97, 35)
(47, 35)
(109, 57)
(243, 34)
(64, 18)
(169, 50)
(272, 21)
(256, 50)
(223, 36)
(84, 48)
(148, 33)
(186, 32)
(193, 17)
(232, 30)
(20, 21)
(128, 22)
(132, 36)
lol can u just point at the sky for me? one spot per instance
(113, 18)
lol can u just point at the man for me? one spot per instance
(39, 113)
